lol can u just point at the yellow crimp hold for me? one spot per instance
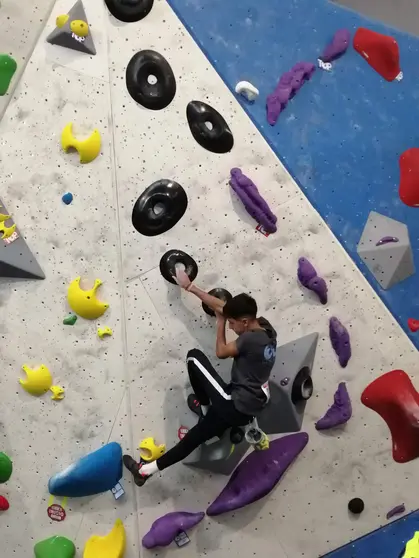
(79, 27)
(88, 149)
(4, 230)
(102, 331)
(38, 380)
(57, 393)
(85, 303)
(111, 545)
(149, 451)
(61, 20)
(412, 547)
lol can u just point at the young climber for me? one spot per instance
(219, 405)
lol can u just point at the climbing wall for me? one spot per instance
(131, 385)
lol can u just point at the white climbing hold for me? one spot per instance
(246, 89)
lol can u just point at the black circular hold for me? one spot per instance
(302, 388)
(356, 506)
(159, 207)
(236, 435)
(150, 80)
(220, 293)
(209, 128)
(168, 265)
(129, 10)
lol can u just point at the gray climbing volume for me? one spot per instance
(64, 36)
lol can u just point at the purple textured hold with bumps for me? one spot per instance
(253, 202)
(340, 412)
(341, 343)
(288, 85)
(308, 277)
(166, 528)
(337, 47)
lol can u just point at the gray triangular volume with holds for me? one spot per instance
(64, 36)
(16, 260)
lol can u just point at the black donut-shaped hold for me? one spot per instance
(159, 207)
(236, 435)
(129, 10)
(222, 294)
(168, 265)
(216, 137)
(154, 96)
(302, 388)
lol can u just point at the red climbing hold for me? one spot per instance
(395, 399)
(380, 51)
(409, 177)
(413, 324)
(4, 504)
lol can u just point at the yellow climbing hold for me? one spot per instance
(149, 451)
(38, 380)
(102, 331)
(88, 149)
(85, 303)
(79, 27)
(111, 545)
(57, 393)
(412, 547)
(6, 231)
(61, 20)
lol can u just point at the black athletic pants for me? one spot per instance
(210, 389)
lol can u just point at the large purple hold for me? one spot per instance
(166, 528)
(258, 474)
(253, 202)
(307, 275)
(338, 46)
(340, 412)
(288, 85)
(341, 343)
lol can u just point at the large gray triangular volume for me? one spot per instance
(385, 249)
(16, 260)
(63, 36)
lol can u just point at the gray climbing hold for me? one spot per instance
(389, 262)
(290, 386)
(16, 260)
(64, 36)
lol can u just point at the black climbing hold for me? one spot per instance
(222, 294)
(159, 207)
(168, 265)
(302, 388)
(356, 506)
(236, 435)
(129, 10)
(209, 128)
(145, 67)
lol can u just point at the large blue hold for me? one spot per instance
(97, 472)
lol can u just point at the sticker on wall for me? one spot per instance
(56, 512)
(260, 229)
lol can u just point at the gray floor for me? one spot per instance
(402, 14)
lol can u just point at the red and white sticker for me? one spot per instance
(260, 229)
(56, 512)
(14, 236)
(181, 433)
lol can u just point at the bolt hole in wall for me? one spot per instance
(152, 80)
(209, 125)
(158, 208)
(351, 102)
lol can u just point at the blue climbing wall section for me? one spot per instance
(385, 542)
(342, 134)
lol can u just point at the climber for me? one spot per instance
(218, 405)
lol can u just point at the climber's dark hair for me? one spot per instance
(240, 306)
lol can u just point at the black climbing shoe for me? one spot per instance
(135, 469)
(194, 405)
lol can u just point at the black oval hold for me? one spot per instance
(356, 506)
(168, 265)
(129, 10)
(220, 293)
(302, 388)
(144, 66)
(159, 207)
(216, 137)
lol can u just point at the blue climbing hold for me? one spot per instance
(95, 473)
(67, 198)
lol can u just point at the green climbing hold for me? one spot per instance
(70, 320)
(7, 69)
(55, 547)
(6, 468)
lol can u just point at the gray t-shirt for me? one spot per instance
(252, 368)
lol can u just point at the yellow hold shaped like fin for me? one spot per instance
(87, 149)
(79, 27)
(4, 217)
(412, 547)
(61, 20)
(85, 303)
(149, 450)
(111, 545)
(38, 380)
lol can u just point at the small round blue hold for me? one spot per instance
(67, 198)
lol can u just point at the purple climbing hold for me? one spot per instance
(338, 46)
(253, 202)
(165, 529)
(307, 275)
(341, 343)
(258, 474)
(396, 511)
(288, 85)
(386, 240)
(340, 412)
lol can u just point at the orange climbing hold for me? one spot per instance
(395, 399)
(380, 51)
(409, 177)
